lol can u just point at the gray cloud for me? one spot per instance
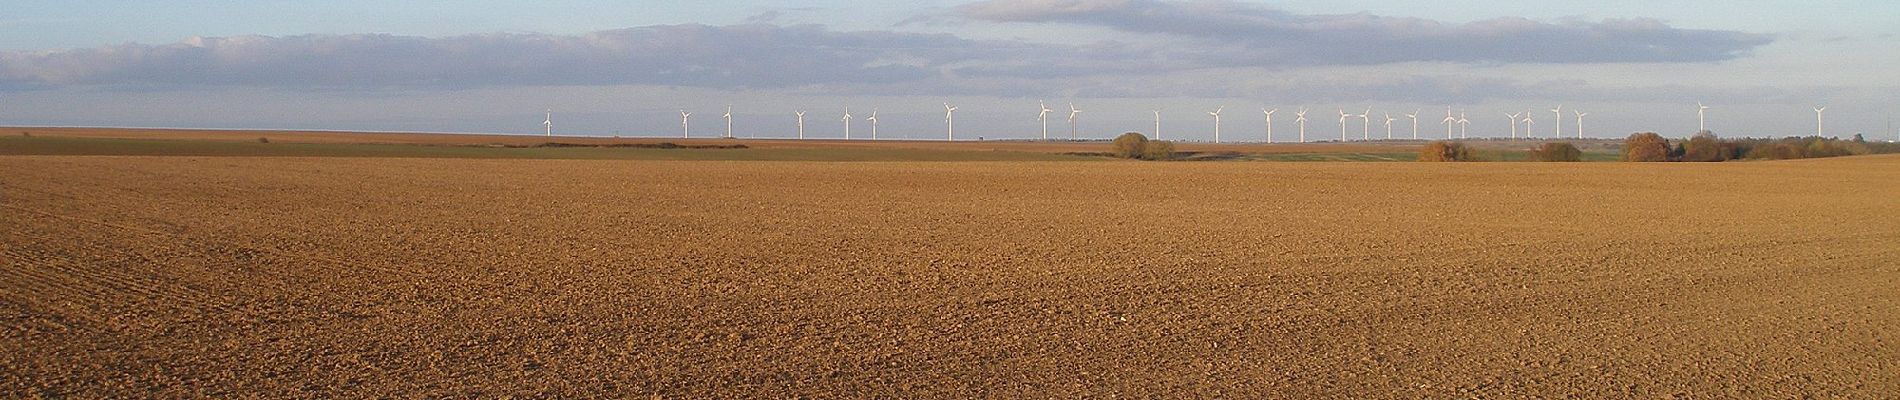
(1271, 37)
(741, 56)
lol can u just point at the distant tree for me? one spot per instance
(1131, 145)
(1557, 152)
(1645, 147)
(1703, 147)
(1859, 139)
(1446, 151)
(1158, 150)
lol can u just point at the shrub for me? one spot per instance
(263, 140)
(1703, 147)
(1158, 150)
(1557, 152)
(1131, 145)
(1645, 147)
(26, 134)
(1446, 151)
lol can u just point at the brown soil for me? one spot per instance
(350, 278)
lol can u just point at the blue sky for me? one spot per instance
(627, 68)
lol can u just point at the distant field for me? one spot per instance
(19, 145)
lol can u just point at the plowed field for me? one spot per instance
(373, 277)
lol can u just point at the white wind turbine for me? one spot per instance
(1449, 120)
(549, 122)
(686, 125)
(1073, 112)
(1216, 114)
(873, 120)
(1580, 115)
(801, 124)
(1044, 116)
(1342, 124)
(1513, 117)
(1388, 125)
(1528, 123)
(1414, 117)
(1559, 124)
(1817, 120)
(1701, 117)
(950, 120)
(1157, 124)
(1464, 126)
(1269, 114)
(728, 121)
(847, 123)
(1302, 121)
(1365, 125)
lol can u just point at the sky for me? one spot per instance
(608, 68)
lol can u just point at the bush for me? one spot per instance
(1557, 152)
(1131, 145)
(1446, 151)
(263, 140)
(1703, 147)
(1645, 147)
(1158, 150)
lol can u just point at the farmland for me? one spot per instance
(391, 275)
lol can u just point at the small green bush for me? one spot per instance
(263, 140)
(1645, 147)
(1447, 151)
(1158, 151)
(1703, 147)
(1557, 152)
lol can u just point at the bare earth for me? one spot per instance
(365, 277)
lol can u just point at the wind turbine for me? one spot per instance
(1302, 121)
(950, 120)
(549, 122)
(728, 121)
(1464, 126)
(1216, 114)
(1448, 121)
(1701, 117)
(801, 124)
(1388, 125)
(1342, 124)
(686, 125)
(1528, 122)
(1580, 115)
(1044, 116)
(1365, 125)
(1513, 117)
(1559, 128)
(1817, 120)
(1157, 124)
(873, 120)
(847, 123)
(1072, 113)
(1414, 116)
(1269, 114)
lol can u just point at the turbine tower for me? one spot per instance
(950, 120)
(1302, 121)
(1701, 117)
(1817, 120)
(1513, 117)
(1388, 125)
(1580, 115)
(1216, 114)
(549, 122)
(728, 121)
(1269, 114)
(1157, 124)
(1559, 128)
(1365, 125)
(1342, 124)
(686, 125)
(1414, 116)
(847, 123)
(801, 124)
(1073, 112)
(1464, 126)
(1044, 116)
(1528, 123)
(873, 120)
